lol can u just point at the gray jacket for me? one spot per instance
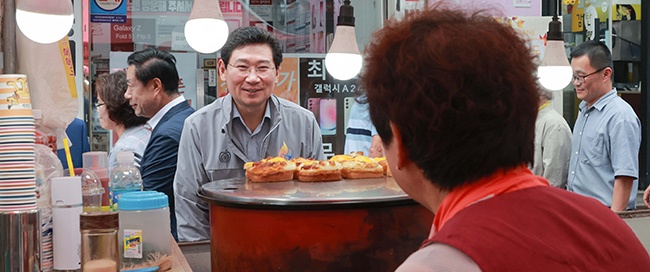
(207, 153)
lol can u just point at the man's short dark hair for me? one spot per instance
(248, 36)
(597, 52)
(152, 63)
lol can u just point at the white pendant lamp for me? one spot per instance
(44, 21)
(555, 72)
(206, 31)
(343, 60)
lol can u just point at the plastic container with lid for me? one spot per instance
(95, 165)
(99, 243)
(144, 235)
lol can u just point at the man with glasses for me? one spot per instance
(248, 124)
(607, 134)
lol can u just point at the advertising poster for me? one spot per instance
(626, 10)
(287, 86)
(592, 16)
(577, 19)
(329, 99)
(122, 36)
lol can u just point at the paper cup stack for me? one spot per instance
(17, 180)
(18, 190)
(17, 176)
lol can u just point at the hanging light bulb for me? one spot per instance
(44, 21)
(555, 72)
(343, 60)
(206, 31)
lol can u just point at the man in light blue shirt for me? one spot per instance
(607, 134)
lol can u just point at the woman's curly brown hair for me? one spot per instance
(461, 88)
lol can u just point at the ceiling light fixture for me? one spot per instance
(555, 72)
(44, 21)
(343, 60)
(205, 30)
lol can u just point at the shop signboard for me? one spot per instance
(108, 11)
(122, 36)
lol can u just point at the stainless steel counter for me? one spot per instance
(304, 195)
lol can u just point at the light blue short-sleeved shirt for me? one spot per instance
(359, 132)
(605, 144)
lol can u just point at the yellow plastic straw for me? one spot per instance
(68, 156)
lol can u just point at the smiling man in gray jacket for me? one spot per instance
(248, 124)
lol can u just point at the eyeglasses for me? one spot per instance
(97, 105)
(581, 79)
(260, 71)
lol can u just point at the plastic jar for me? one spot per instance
(144, 235)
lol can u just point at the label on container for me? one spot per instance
(133, 243)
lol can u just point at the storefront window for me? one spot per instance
(305, 29)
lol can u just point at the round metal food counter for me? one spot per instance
(348, 225)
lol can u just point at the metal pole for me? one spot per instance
(9, 36)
